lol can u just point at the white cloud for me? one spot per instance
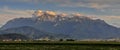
(7, 14)
(7, 10)
(112, 20)
(98, 4)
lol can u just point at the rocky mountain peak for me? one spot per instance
(52, 16)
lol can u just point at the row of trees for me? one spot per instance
(66, 40)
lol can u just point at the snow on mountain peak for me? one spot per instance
(51, 15)
(38, 13)
(77, 14)
(63, 15)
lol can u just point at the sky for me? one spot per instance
(108, 10)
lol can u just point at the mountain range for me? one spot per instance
(53, 25)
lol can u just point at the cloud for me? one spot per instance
(101, 5)
(6, 10)
(97, 4)
(7, 14)
(112, 20)
(29, 1)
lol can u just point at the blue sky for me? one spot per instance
(108, 10)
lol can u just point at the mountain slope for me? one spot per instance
(31, 32)
(13, 36)
(18, 22)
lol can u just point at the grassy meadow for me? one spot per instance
(44, 45)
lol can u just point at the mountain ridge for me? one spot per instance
(76, 27)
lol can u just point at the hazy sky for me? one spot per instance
(109, 10)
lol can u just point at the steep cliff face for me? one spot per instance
(74, 26)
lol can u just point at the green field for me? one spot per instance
(60, 45)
